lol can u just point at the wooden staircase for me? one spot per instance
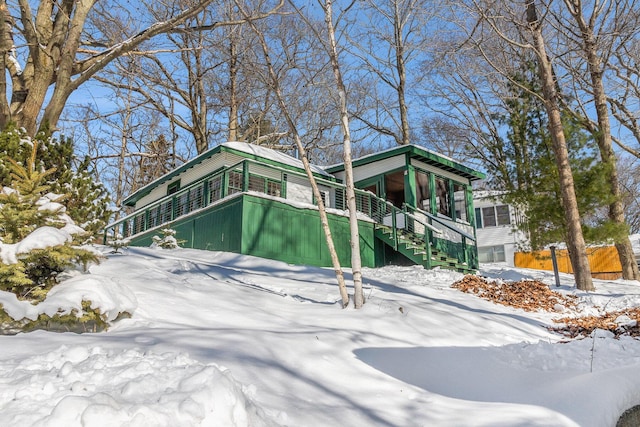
(416, 249)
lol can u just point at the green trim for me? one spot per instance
(245, 177)
(410, 186)
(432, 196)
(276, 163)
(419, 153)
(174, 187)
(377, 180)
(144, 191)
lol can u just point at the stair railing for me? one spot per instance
(467, 240)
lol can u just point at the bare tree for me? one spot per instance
(356, 263)
(126, 145)
(624, 96)
(498, 35)
(57, 60)
(575, 241)
(275, 81)
(389, 38)
(184, 73)
(598, 31)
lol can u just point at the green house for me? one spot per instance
(415, 207)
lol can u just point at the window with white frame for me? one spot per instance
(491, 254)
(493, 216)
(460, 199)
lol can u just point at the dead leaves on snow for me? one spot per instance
(529, 295)
(622, 322)
(533, 295)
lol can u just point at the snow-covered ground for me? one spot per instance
(219, 339)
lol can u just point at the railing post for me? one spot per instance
(245, 176)
(174, 207)
(465, 255)
(394, 226)
(205, 193)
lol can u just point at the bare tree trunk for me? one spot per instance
(402, 76)
(199, 114)
(603, 136)
(356, 262)
(53, 67)
(324, 220)
(233, 90)
(575, 240)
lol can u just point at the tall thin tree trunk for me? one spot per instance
(233, 90)
(575, 240)
(604, 140)
(324, 219)
(402, 78)
(356, 261)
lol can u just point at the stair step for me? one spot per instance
(415, 248)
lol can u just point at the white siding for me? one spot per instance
(299, 189)
(265, 171)
(367, 171)
(450, 234)
(191, 175)
(493, 236)
(443, 173)
(155, 194)
(501, 235)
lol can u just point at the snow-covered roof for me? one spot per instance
(415, 152)
(269, 154)
(255, 151)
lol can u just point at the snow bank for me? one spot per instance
(104, 293)
(80, 386)
(40, 238)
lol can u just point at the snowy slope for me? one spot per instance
(219, 339)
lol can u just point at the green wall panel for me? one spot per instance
(219, 228)
(280, 231)
(144, 240)
(267, 228)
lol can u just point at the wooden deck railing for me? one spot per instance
(251, 176)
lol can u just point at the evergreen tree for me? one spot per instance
(87, 200)
(30, 213)
(526, 169)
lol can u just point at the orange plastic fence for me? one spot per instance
(603, 260)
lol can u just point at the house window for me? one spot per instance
(153, 217)
(235, 182)
(423, 194)
(274, 188)
(502, 214)
(443, 200)
(173, 187)
(460, 198)
(139, 227)
(256, 183)
(166, 209)
(215, 189)
(341, 199)
(183, 201)
(394, 188)
(493, 216)
(195, 198)
(489, 216)
(478, 218)
(492, 254)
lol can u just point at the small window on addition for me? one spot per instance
(173, 187)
